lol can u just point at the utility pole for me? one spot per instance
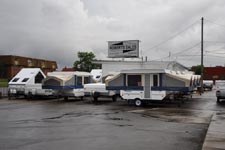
(169, 55)
(202, 66)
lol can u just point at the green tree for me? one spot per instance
(85, 61)
(198, 69)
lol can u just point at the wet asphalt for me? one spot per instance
(83, 125)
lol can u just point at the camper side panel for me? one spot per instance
(117, 82)
(171, 82)
(51, 82)
(71, 81)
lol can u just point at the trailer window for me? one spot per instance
(134, 80)
(155, 80)
(79, 81)
(25, 79)
(86, 80)
(39, 77)
(15, 80)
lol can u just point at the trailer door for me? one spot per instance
(147, 87)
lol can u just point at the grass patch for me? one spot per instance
(3, 83)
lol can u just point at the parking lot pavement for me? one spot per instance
(53, 124)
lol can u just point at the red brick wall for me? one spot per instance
(217, 73)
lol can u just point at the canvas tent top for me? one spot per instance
(27, 75)
(61, 79)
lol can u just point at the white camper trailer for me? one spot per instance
(96, 75)
(143, 85)
(28, 83)
(97, 90)
(67, 84)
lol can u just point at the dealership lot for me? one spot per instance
(75, 124)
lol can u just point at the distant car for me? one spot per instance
(207, 85)
(220, 92)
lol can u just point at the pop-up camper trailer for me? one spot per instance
(97, 90)
(28, 82)
(144, 85)
(96, 75)
(67, 84)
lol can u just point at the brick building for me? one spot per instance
(10, 65)
(213, 73)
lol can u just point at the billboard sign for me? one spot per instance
(123, 49)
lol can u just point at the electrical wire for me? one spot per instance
(187, 49)
(180, 52)
(215, 42)
(214, 53)
(172, 37)
(214, 56)
(221, 25)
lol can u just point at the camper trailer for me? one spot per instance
(28, 83)
(97, 90)
(144, 85)
(67, 84)
(96, 75)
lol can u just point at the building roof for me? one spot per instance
(68, 69)
(139, 71)
(151, 64)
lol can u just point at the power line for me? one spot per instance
(187, 49)
(180, 52)
(214, 53)
(172, 37)
(210, 51)
(189, 55)
(214, 56)
(214, 42)
(221, 25)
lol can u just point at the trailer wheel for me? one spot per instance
(218, 100)
(81, 98)
(29, 96)
(95, 98)
(66, 98)
(9, 96)
(138, 102)
(114, 98)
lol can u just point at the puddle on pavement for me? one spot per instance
(176, 115)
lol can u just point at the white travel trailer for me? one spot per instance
(143, 85)
(28, 83)
(67, 84)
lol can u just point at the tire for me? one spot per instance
(218, 100)
(29, 95)
(114, 98)
(9, 96)
(95, 98)
(138, 102)
(66, 98)
(81, 98)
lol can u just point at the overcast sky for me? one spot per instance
(58, 29)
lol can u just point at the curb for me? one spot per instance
(215, 136)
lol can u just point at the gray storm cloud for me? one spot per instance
(58, 29)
